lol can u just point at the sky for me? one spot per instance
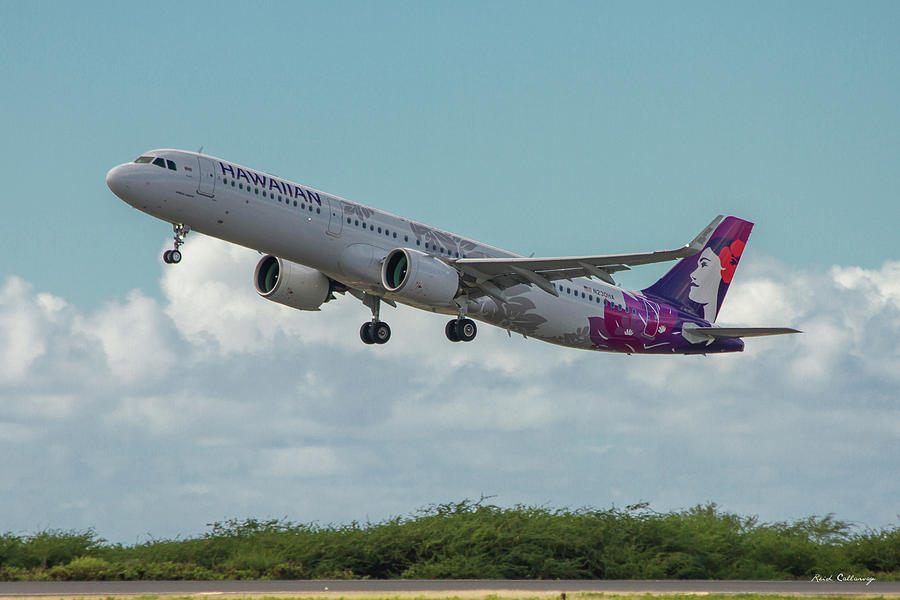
(146, 400)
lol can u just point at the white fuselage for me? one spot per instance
(348, 241)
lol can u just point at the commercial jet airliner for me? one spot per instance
(316, 245)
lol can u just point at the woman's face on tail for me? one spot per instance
(705, 278)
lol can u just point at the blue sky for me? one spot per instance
(553, 128)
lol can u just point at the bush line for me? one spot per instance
(474, 540)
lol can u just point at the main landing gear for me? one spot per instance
(173, 257)
(375, 331)
(460, 330)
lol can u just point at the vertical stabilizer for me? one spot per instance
(698, 283)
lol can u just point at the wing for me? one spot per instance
(493, 275)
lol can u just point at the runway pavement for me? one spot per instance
(432, 587)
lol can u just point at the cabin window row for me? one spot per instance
(356, 222)
(389, 233)
(595, 299)
(287, 201)
(568, 290)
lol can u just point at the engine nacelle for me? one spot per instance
(420, 277)
(290, 284)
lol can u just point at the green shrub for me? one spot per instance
(476, 540)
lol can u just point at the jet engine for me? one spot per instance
(290, 284)
(419, 277)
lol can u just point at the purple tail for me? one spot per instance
(698, 283)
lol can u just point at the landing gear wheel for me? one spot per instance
(377, 332)
(172, 257)
(450, 331)
(381, 332)
(365, 333)
(466, 330)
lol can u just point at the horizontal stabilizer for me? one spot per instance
(735, 332)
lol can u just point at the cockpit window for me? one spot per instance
(143, 159)
(171, 165)
(160, 162)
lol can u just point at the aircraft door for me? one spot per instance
(206, 184)
(335, 216)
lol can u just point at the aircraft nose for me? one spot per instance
(117, 182)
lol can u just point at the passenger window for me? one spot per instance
(405, 238)
(240, 185)
(171, 165)
(160, 162)
(143, 159)
(295, 203)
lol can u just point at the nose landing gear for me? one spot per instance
(173, 257)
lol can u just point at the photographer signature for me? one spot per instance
(841, 577)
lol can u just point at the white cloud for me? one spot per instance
(22, 340)
(215, 403)
(306, 461)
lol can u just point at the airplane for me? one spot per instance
(316, 245)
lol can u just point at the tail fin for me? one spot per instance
(698, 283)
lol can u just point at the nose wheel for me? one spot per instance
(173, 257)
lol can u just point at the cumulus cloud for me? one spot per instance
(213, 403)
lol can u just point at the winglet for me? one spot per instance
(699, 242)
